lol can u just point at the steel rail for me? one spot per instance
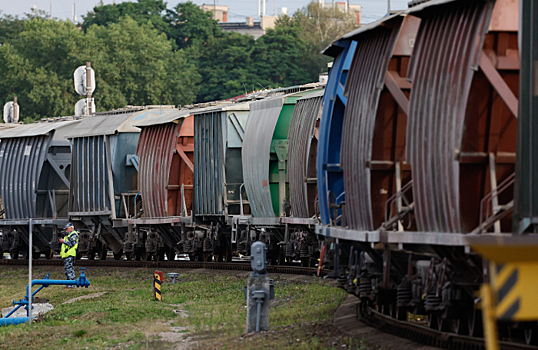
(235, 266)
(428, 336)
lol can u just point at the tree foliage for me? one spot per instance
(189, 25)
(143, 11)
(134, 64)
(144, 53)
(318, 27)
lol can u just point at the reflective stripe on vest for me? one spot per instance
(67, 250)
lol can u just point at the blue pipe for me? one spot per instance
(12, 320)
(12, 311)
(81, 281)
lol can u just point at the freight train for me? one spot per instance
(421, 146)
(157, 181)
(416, 142)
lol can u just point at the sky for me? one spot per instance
(239, 9)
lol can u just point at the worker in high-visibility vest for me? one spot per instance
(69, 251)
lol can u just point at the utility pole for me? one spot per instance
(74, 16)
(88, 89)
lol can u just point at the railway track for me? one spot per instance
(424, 335)
(237, 266)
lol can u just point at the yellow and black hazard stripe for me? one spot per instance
(508, 301)
(157, 287)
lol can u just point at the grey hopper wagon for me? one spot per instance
(35, 164)
(104, 180)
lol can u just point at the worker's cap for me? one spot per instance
(69, 224)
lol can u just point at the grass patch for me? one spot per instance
(205, 309)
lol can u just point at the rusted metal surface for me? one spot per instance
(166, 155)
(302, 155)
(184, 162)
(363, 88)
(156, 148)
(445, 57)
(505, 17)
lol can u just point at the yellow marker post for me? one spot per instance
(157, 283)
(513, 271)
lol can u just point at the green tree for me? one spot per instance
(36, 68)
(190, 25)
(134, 64)
(11, 26)
(225, 66)
(318, 27)
(143, 11)
(278, 58)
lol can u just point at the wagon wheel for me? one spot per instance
(531, 333)
(129, 255)
(117, 256)
(171, 254)
(443, 324)
(401, 313)
(474, 322)
(460, 325)
(91, 254)
(432, 320)
(103, 253)
(14, 254)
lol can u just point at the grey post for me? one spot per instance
(30, 248)
(259, 290)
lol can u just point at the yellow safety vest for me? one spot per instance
(67, 250)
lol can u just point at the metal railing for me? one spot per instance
(489, 213)
(400, 204)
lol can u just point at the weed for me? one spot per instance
(80, 333)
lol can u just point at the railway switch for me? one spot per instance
(259, 290)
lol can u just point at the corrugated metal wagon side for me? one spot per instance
(165, 184)
(34, 181)
(218, 174)
(303, 139)
(453, 135)
(104, 181)
(265, 155)
(218, 179)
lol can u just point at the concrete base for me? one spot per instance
(21, 312)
